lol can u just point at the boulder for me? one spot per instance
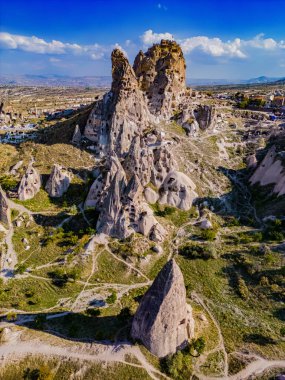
(58, 182)
(251, 161)
(205, 224)
(30, 184)
(163, 321)
(150, 195)
(177, 190)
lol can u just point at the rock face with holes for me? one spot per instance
(163, 321)
(177, 190)
(4, 208)
(30, 184)
(132, 151)
(121, 114)
(161, 75)
(58, 182)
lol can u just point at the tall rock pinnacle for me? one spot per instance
(121, 114)
(163, 321)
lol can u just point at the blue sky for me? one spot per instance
(220, 39)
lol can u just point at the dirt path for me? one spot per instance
(83, 351)
(219, 347)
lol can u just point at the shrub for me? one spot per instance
(242, 289)
(196, 251)
(8, 182)
(112, 298)
(209, 235)
(179, 366)
(93, 312)
(21, 268)
(39, 322)
(282, 331)
(11, 316)
(197, 346)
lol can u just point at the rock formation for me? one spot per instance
(30, 184)
(161, 75)
(76, 138)
(58, 181)
(121, 114)
(132, 151)
(205, 116)
(271, 172)
(177, 190)
(163, 321)
(4, 208)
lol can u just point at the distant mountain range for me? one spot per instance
(55, 80)
(217, 82)
(105, 81)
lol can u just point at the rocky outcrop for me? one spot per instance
(122, 114)
(271, 172)
(163, 163)
(251, 161)
(163, 321)
(58, 182)
(132, 151)
(4, 208)
(150, 195)
(139, 160)
(177, 190)
(161, 75)
(30, 184)
(113, 220)
(77, 136)
(205, 116)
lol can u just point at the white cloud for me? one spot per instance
(149, 37)
(216, 47)
(213, 46)
(54, 60)
(40, 46)
(161, 6)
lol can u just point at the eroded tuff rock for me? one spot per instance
(271, 172)
(30, 183)
(4, 208)
(132, 149)
(161, 75)
(121, 114)
(177, 190)
(121, 204)
(58, 182)
(205, 116)
(163, 321)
